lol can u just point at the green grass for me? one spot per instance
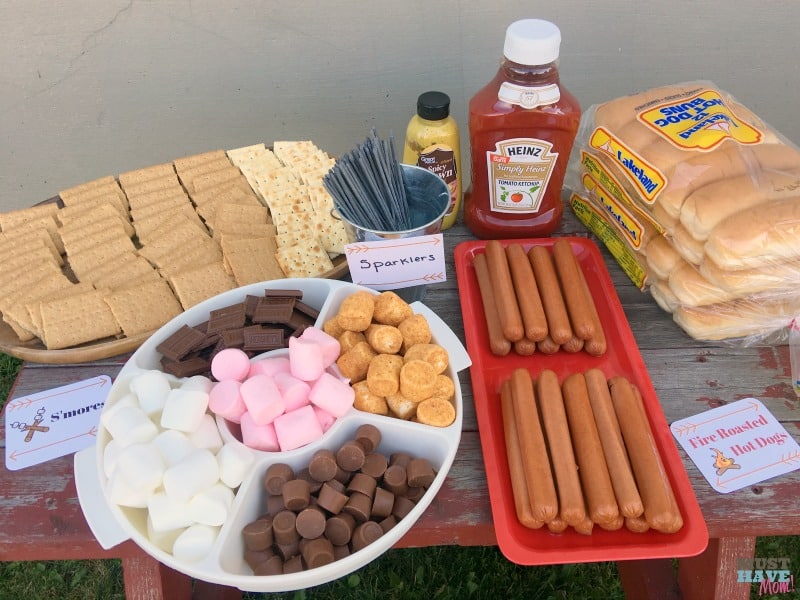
(447, 572)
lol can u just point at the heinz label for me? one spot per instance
(699, 122)
(519, 171)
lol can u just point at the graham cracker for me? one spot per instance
(145, 174)
(186, 162)
(251, 259)
(84, 261)
(13, 218)
(143, 308)
(73, 320)
(195, 284)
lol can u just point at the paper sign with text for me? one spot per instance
(53, 423)
(737, 445)
(400, 263)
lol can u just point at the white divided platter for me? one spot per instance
(225, 563)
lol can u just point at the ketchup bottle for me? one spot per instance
(522, 125)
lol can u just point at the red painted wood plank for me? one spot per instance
(713, 574)
(649, 580)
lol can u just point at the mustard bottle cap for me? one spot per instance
(433, 106)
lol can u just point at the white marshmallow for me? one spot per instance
(130, 425)
(199, 383)
(174, 446)
(152, 388)
(110, 455)
(166, 513)
(234, 463)
(195, 473)
(163, 540)
(142, 466)
(107, 415)
(184, 409)
(119, 491)
(207, 434)
(194, 543)
(211, 506)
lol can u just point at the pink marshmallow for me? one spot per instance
(294, 391)
(225, 399)
(259, 437)
(326, 419)
(262, 398)
(297, 428)
(332, 395)
(270, 366)
(230, 363)
(305, 358)
(329, 345)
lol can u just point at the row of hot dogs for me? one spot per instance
(581, 453)
(537, 301)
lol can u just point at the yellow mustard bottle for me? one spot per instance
(432, 142)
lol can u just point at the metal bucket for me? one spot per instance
(428, 199)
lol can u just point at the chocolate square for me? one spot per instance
(180, 343)
(261, 339)
(229, 317)
(274, 310)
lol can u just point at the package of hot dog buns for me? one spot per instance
(698, 199)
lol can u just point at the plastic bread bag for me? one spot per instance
(689, 155)
(794, 353)
(620, 234)
(742, 322)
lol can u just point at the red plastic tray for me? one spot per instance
(539, 546)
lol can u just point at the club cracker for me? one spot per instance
(304, 260)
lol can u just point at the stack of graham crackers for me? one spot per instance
(124, 255)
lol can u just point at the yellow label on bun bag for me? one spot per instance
(699, 122)
(647, 180)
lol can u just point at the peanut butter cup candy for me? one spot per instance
(296, 494)
(258, 534)
(350, 457)
(310, 522)
(369, 437)
(322, 466)
(339, 528)
(365, 534)
(277, 474)
(318, 552)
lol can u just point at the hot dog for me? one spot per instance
(557, 525)
(558, 324)
(548, 346)
(538, 475)
(677, 518)
(613, 525)
(651, 479)
(585, 527)
(575, 344)
(551, 404)
(597, 344)
(567, 268)
(637, 524)
(628, 499)
(528, 299)
(516, 469)
(524, 347)
(498, 344)
(593, 471)
(504, 295)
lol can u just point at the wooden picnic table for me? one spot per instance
(42, 518)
